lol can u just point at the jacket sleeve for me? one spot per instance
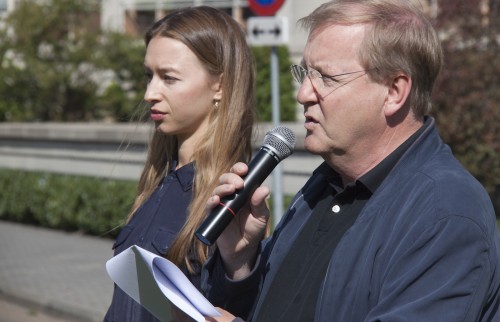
(236, 297)
(442, 272)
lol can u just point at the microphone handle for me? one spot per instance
(219, 218)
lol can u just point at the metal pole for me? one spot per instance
(278, 171)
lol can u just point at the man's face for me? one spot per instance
(344, 114)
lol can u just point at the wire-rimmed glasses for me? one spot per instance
(322, 83)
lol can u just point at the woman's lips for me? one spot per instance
(157, 115)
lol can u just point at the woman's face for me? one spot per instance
(180, 91)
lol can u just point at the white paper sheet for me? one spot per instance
(156, 283)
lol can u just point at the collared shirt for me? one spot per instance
(154, 227)
(294, 292)
(424, 247)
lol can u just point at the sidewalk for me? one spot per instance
(61, 272)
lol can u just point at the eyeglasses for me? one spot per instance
(323, 84)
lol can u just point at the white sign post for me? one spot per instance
(267, 31)
(272, 31)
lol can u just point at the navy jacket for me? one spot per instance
(153, 227)
(424, 248)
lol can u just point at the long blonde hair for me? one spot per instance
(220, 44)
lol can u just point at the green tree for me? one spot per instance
(286, 89)
(58, 66)
(467, 96)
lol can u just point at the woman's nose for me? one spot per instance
(152, 93)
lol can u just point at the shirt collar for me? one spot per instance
(185, 174)
(374, 178)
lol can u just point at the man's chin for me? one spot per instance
(311, 145)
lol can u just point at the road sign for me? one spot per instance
(267, 31)
(265, 7)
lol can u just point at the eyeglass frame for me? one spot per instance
(322, 76)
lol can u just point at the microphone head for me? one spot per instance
(281, 140)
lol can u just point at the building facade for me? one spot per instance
(135, 16)
(6, 6)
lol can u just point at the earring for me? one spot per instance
(216, 104)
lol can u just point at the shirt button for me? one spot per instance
(336, 208)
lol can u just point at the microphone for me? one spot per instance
(278, 145)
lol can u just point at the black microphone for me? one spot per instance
(278, 145)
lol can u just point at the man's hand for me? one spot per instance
(225, 317)
(239, 242)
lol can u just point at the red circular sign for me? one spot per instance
(265, 7)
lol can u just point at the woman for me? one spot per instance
(200, 91)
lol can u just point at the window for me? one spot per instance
(3, 5)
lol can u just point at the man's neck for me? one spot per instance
(351, 166)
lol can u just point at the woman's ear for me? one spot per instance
(217, 87)
(398, 94)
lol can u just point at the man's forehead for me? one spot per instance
(330, 29)
(333, 42)
(335, 35)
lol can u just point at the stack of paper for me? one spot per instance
(156, 284)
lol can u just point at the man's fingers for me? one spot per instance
(259, 196)
(258, 201)
(239, 168)
(212, 202)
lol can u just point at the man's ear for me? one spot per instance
(217, 87)
(398, 94)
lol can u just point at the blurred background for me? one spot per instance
(73, 131)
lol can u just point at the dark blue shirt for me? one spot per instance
(153, 227)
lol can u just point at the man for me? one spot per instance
(390, 227)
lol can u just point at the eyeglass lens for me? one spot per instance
(299, 73)
(320, 82)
